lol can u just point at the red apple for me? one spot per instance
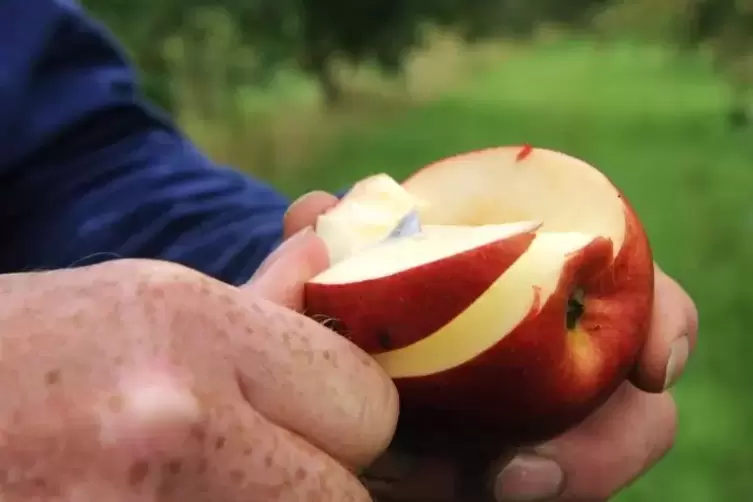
(516, 309)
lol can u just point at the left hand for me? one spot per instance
(592, 462)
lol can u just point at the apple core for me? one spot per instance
(575, 308)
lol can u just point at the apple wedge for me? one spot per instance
(516, 307)
(391, 296)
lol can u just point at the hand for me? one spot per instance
(591, 462)
(145, 381)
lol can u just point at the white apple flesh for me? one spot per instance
(517, 308)
(366, 216)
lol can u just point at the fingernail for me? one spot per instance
(529, 478)
(295, 238)
(678, 355)
(286, 245)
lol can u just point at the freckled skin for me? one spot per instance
(144, 381)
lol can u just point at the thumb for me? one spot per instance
(304, 211)
(282, 276)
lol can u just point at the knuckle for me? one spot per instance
(145, 274)
(171, 282)
(159, 296)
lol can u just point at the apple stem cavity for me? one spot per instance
(575, 308)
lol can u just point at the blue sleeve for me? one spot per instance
(89, 172)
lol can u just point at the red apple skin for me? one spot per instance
(532, 386)
(397, 310)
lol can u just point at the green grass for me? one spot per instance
(655, 124)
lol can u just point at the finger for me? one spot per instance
(303, 211)
(282, 276)
(674, 331)
(607, 452)
(315, 383)
(247, 458)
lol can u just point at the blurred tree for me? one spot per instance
(721, 28)
(726, 27)
(386, 31)
(143, 26)
(315, 34)
(147, 27)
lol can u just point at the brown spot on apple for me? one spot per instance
(385, 339)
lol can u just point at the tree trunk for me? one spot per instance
(331, 90)
(317, 60)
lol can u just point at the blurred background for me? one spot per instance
(318, 93)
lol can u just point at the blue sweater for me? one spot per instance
(89, 171)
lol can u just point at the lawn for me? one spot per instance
(656, 124)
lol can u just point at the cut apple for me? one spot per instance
(516, 307)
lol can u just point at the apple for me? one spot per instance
(515, 304)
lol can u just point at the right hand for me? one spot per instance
(145, 381)
(592, 462)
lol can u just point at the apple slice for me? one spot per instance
(368, 214)
(404, 289)
(487, 323)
